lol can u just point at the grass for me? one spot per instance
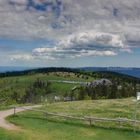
(9, 85)
(61, 88)
(35, 126)
(99, 108)
(4, 107)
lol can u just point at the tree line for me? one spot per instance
(104, 92)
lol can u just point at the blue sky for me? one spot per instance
(70, 33)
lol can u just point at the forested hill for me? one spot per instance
(30, 86)
(37, 70)
(97, 74)
(135, 72)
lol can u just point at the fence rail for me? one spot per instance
(84, 118)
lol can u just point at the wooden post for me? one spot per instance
(119, 122)
(46, 114)
(90, 121)
(14, 111)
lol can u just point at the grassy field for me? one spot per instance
(42, 129)
(9, 85)
(100, 108)
(35, 126)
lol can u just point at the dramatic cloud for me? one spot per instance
(57, 18)
(84, 44)
(77, 27)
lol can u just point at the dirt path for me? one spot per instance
(3, 114)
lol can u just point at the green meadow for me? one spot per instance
(36, 126)
(19, 84)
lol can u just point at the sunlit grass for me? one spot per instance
(35, 125)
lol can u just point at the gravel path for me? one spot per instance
(3, 114)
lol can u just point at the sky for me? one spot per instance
(70, 33)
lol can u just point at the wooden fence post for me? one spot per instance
(46, 114)
(90, 121)
(119, 122)
(14, 111)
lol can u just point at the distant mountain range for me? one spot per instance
(135, 72)
(12, 68)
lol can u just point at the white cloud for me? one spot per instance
(75, 15)
(89, 43)
(20, 2)
(24, 57)
(79, 27)
(94, 39)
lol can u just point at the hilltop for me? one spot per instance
(39, 85)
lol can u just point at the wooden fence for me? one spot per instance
(89, 119)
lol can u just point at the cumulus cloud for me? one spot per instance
(88, 43)
(77, 27)
(58, 18)
(24, 57)
(93, 39)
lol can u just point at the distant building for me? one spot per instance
(119, 87)
(67, 99)
(57, 98)
(95, 83)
